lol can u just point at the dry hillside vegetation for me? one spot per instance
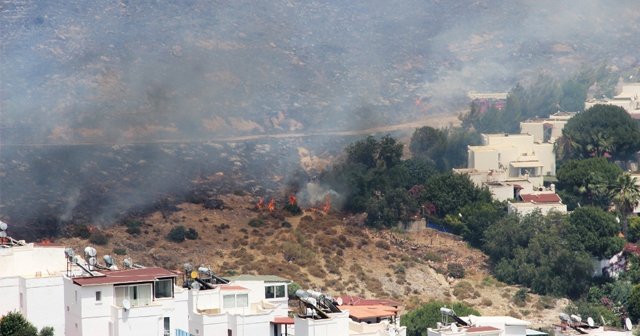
(336, 255)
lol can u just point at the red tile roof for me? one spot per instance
(125, 276)
(481, 329)
(541, 198)
(367, 312)
(282, 320)
(232, 287)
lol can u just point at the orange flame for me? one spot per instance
(292, 199)
(272, 205)
(327, 204)
(260, 204)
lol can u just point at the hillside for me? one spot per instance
(323, 251)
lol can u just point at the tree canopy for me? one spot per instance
(14, 324)
(446, 148)
(587, 182)
(426, 316)
(602, 131)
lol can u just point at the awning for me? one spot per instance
(282, 320)
(526, 164)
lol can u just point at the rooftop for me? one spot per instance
(350, 300)
(541, 198)
(125, 276)
(250, 277)
(367, 312)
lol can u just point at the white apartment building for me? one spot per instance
(505, 163)
(247, 305)
(485, 326)
(135, 302)
(628, 99)
(31, 282)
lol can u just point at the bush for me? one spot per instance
(81, 231)
(177, 234)
(256, 222)
(383, 245)
(133, 227)
(191, 234)
(98, 238)
(520, 297)
(119, 251)
(455, 270)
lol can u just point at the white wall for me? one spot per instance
(32, 261)
(44, 302)
(336, 325)
(10, 294)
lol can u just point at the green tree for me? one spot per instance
(595, 231)
(426, 316)
(14, 324)
(477, 217)
(634, 303)
(449, 192)
(587, 182)
(625, 195)
(603, 130)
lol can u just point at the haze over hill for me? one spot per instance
(116, 73)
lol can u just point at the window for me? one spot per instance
(235, 301)
(163, 288)
(98, 296)
(167, 326)
(138, 295)
(275, 292)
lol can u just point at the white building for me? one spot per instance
(544, 201)
(505, 163)
(31, 282)
(135, 302)
(628, 99)
(247, 305)
(485, 326)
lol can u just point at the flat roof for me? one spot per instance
(506, 320)
(250, 277)
(367, 312)
(125, 276)
(525, 164)
(350, 300)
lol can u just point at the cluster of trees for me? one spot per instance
(429, 314)
(14, 324)
(550, 254)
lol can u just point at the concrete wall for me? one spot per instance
(336, 325)
(44, 302)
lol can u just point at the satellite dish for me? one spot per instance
(126, 304)
(90, 251)
(590, 322)
(446, 311)
(194, 274)
(339, 301)
(107, 260)
(3, 226)
(454, 328)
(3, 234)
(627, 324)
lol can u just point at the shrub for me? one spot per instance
(256, 222)
(455, 270)
(520, 297)
(191, 234)
(177, 234)
(383, 245)
(294, 209)
(81, 231)
(119, 251)
(133, 227)
(98, 238)
(463, 290)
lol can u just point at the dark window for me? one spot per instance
(280, 291)
(167, 326)
(98, 296)
(163, 288)
(269, 292)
